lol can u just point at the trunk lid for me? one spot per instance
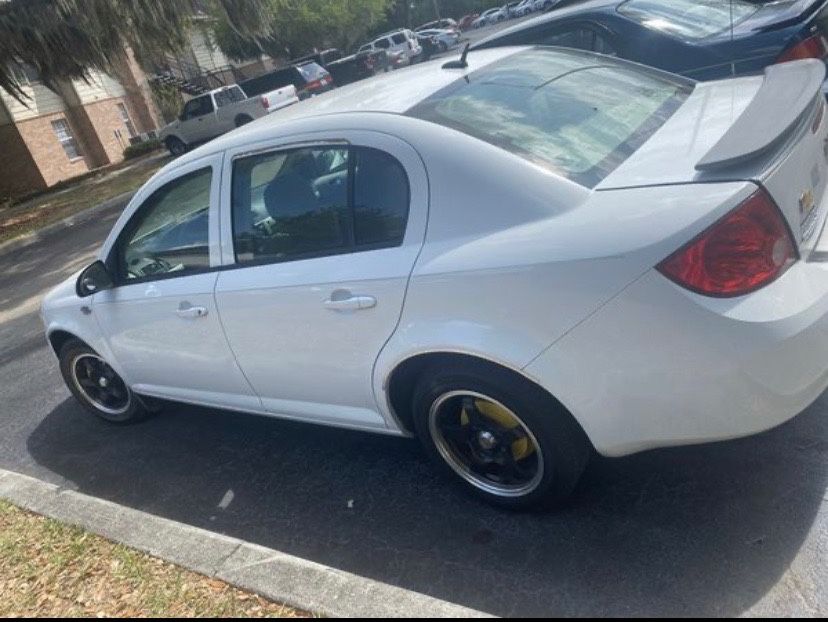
(769, 129)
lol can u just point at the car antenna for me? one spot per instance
(459, 64)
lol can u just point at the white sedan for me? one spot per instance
(524, 260)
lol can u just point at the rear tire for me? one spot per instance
(525, 452)
(175, 146)
(98, 387)
(243, 119)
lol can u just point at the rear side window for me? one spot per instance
(574, 113)
(314, 202)
(690, 19)
(229, 96)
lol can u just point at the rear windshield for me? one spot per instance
(577, 114)
(689, 19)
(312, 72)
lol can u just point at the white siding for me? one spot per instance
(100, 87)
(207, 55)
(42, 101)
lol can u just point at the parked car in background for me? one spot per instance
(402, 42)
(689, 37)
(346, 69)
(359, 66)
(659, 278)
(430, 46)
(492, 16)
(308, 79)
(440, 24)
(546, 5)
(524, 8)
(445, 39)
(511, 9)
(467, 21)
(322, 58)
(219, 111)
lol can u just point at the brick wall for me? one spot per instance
(20, 175)
(44, 147)
(106, 121)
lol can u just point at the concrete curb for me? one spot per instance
(283, 578)
(115, 203)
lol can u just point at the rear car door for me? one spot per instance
(160, 320)
(319, 241)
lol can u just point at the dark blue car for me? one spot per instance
(700, 39)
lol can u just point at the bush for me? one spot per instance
(134, 151)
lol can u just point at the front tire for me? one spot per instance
(503, 438)
(175, 146)
(97, 386)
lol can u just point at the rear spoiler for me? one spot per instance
(789, 91)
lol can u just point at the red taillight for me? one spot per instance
(812, 47)
(314, 84)
(265, 103)
(746, 250)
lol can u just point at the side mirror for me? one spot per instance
(94, 279)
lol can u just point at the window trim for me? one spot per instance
(352, 247)
(114, 259)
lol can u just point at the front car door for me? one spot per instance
(197, 120)
(160, 320)
(319, 242)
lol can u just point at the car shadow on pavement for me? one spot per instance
(702, 530)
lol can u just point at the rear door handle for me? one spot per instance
(353, 303)
(188, 312)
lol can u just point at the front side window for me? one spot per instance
(312, 202)
(169, 234)
(383, 44)
(690, 19)
(198, 107)
(560, 109)
(66, 139)
(398, 38)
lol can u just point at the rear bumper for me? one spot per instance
(659, 366)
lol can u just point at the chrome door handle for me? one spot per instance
(189, 312)
(353, 303)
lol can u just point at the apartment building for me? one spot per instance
(79, 126)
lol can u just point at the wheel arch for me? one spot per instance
(400, 383)
(60, 337)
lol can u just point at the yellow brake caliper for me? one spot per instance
(521, 448)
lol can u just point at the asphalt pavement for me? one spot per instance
(723, 529)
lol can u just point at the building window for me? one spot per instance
(122, 109)
(24, 73)
(66, 139)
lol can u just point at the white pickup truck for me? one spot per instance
(219, 111)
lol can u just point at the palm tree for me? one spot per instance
(65, 39)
